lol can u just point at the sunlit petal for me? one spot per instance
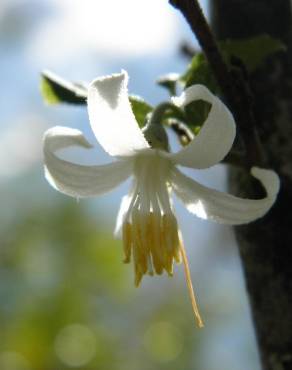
(215, 137)
(111, 116)
(221, 207)
(124, 207)
(74, 179)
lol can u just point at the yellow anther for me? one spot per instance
(177, 254)
(127, 241)
(150, 265)
(154, 241)
(170, 241)
(148, 233)
(168, 266)
(138, 278)
(138, 268)
(139, 249)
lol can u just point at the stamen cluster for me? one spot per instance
(150, 230)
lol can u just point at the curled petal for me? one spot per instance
(111, 116)
(74, 179)
(225, 208)
(216, 136)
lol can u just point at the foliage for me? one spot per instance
(67, 300)
(56, 90)
(169, 82)
(250, 52)
(140, 109)
(199, 72)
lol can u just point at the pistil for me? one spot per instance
(190, 286)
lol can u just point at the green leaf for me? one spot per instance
(252, 51)
(56, 90)
(140, 109)
(196, 114)
(199, 72)
(169, 82)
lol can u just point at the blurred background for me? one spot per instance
(66, 299)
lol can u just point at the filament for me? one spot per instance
(190, 287)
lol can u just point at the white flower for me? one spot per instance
(146, 218)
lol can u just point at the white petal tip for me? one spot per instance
(123, 75)
(194, 92)
(59, 137)
(217, 133)
(268, 178)
(111, 117)
(223, 208)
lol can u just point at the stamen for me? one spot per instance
(151, 235)
(155, 246)
(150, 266)
(138, 277)
(137, 267)
(190, 286)
(170, 241)
(127, 241)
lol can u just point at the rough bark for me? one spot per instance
(266, 245)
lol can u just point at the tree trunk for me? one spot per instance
(266, 245)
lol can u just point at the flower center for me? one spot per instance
(150, 230)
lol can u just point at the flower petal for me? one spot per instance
(124, 207)
(74, 179)
(111, 116)
(224, 208)
(216, 135)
